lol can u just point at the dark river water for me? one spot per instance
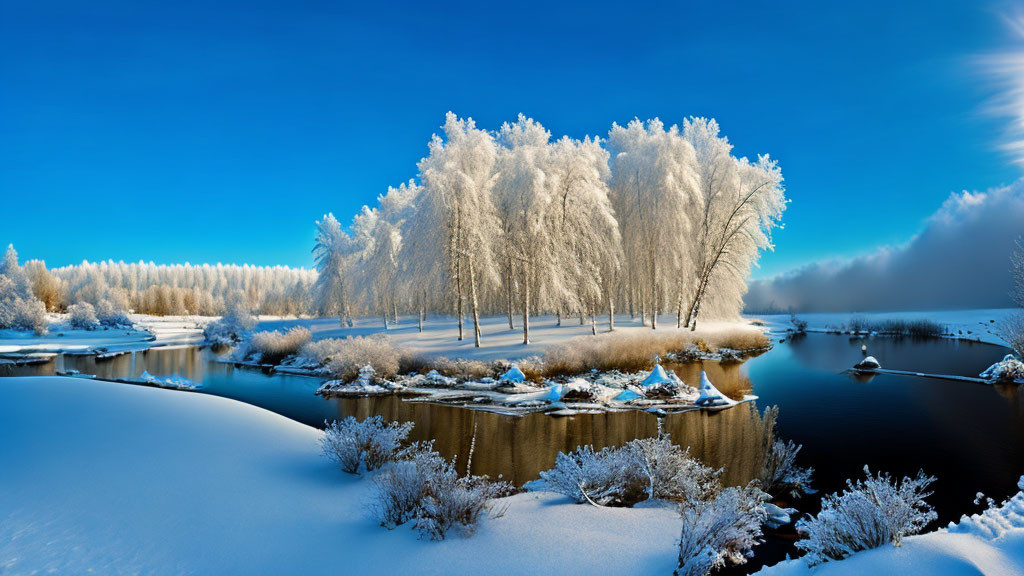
(970, 436)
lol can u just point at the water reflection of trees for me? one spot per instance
(518, 448)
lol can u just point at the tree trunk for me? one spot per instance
(458, 305)
(384, 317)
(526, 313)
(511, 325)
(423, 308)
(476, 313)
(593, 323)
(582, 319)
(653, 294)
(611, 314)
(394, 306)
(558, 315)
(679, 310)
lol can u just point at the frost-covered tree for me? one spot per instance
(19, 307)
(331, 251)
(461, 220)
(588, 245)
(528, 247)
(737, 205)
(868, 514)
(653, 186)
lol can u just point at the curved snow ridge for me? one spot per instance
(995, 521)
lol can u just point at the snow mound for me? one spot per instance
(996, 520)
(709, 395)
(514, 375)
(657, 377)
(1008, 369)
(869, 363)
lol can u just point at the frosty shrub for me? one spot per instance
(605, 478)
(779, 473)
(112, 314)
(720, 530)
(273, 347)
(232, 326)
(671, 473)
(343, 357)
(401, 487)
(83, 316)
(371, 442)
(424, 487)
(453, 501)
(868, 514)
(622, 476)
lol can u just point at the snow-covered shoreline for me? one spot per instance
(978, 325)
(206, 485)
(103, 477)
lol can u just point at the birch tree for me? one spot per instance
(457, 177)
(653, 184)
(586, 241)
(739, 203)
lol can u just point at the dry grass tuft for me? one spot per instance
(635, 350)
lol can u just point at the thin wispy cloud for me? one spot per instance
(1005, 71)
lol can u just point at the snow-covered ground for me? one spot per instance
(978, 325)
(991, 543)
(111, 478)
(148, 331)
(440, 335)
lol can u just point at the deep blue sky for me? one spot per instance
(205, 131)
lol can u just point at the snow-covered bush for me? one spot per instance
(622, 476)
(83, 316)
(19, 307)
(272, 347)
(342, 358)
(372, 443)
(671, 473)
(400, 488)
(112, 314)
(452, 501)
(868, 514)
(232, 326)
(424, 487)
(720, 530)
(608, 477)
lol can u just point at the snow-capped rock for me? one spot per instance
(869, 363)
(1009, 369)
